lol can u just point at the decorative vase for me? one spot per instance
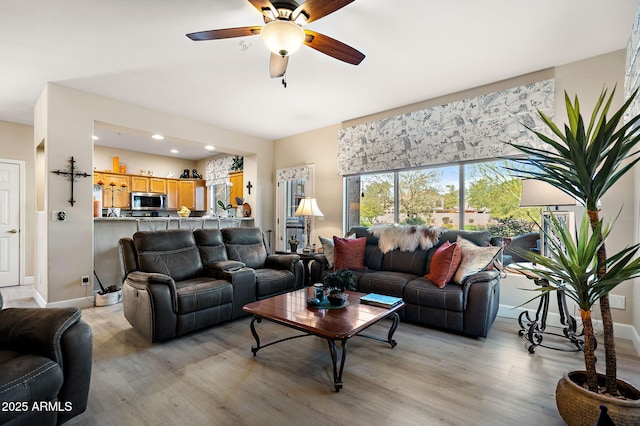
(337, 299)
(293, 247)
(580, 406)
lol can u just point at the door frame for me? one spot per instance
(22, 202)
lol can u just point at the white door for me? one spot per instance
(9, 224)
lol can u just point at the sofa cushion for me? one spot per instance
(211, 245)
(474, 259)
(424, 292)
(349, 254)
(200, 293)
(245, 245)
(171, 252)
(444, 263)
(410, 262)
(270, 282)
(479, 238)
(27, 378)
(384, 282)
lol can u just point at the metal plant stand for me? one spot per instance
(533, 329)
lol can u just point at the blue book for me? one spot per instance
(381, 300)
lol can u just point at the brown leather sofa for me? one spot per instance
(470, 308)
(178, 281)
(45, 365)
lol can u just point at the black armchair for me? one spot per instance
(45, 365)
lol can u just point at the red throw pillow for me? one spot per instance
(349, 254)
(444, 263)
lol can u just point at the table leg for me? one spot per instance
(396, 318)
(255, 348)
(337, 370)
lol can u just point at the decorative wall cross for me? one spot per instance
(71, 173)
(249, 186)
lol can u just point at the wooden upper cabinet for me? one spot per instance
(158, 185)
(192, 194)
(121, 196)
(172, 194)
(98, 177)
(148, 184)
(139, 184)
(237, 187)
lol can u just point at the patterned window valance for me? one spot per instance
(218, 171)
(632, 75)
(464, 130)
(301, 172)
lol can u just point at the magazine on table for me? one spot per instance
(381, 300)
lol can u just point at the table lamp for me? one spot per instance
(308, 207)
(537, 193)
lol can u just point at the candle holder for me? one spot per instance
(112, 189)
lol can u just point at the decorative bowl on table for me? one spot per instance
(337, 299)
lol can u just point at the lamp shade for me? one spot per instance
(282, 37)
(308, 207)
(536, 193)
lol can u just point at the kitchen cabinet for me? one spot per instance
(192, 194)
(148, 184)
(237, 187)
(139, 184)
(97, 177)
(121, 196)
(157, 185)
(172, 194)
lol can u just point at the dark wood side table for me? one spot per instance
(533, 329)
(306, 259)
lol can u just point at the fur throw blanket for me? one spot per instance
(406, 237)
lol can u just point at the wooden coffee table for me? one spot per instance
(334, 325)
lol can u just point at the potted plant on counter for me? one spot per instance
(585, 161)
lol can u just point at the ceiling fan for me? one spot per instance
(283, 33)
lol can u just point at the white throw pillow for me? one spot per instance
(474, 259)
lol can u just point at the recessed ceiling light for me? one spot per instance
(94, 137)
(209, 147)
(157, 137)
(174, 151)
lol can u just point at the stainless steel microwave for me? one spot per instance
(148, 201)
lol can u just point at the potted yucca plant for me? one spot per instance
(585, 161)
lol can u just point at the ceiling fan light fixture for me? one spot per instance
(282, 37)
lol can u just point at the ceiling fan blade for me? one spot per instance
(316, 9)
(224, 33)
(278, 65)
(333, 47)
(266, 8)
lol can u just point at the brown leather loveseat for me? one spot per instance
(178, 281)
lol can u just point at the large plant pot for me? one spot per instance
(580, 406)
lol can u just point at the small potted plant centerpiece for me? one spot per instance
(335, 283)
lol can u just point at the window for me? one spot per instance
(471, 196)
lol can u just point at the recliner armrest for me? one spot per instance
(226, 265)
(281, 261)
(35, 330)
(146, 281)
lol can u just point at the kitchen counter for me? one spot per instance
(107, 232)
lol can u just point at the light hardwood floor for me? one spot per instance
(431, 378)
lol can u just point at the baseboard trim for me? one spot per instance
(622, 331)
(81, 302)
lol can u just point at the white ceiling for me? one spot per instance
(137, 52)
